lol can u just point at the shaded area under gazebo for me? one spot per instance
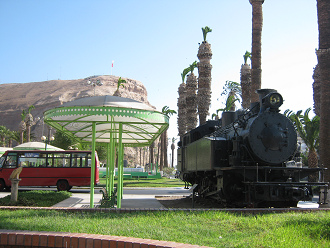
(116, 121)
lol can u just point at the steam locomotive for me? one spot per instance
(248, 158)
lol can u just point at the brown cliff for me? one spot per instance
(16, 97)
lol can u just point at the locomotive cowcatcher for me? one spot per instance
(248, 158)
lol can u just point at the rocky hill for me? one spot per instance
(14, 98)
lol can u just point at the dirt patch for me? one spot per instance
(185, 202)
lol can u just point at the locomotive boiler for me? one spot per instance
(248, 158)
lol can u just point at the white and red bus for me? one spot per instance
(63, 169)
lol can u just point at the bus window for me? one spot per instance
(2, 159)
(11, 160)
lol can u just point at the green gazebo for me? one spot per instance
(113, 120)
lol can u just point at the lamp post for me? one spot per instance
(47, 140)
(94, 84)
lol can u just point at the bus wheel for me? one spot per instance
(63, 185)
(2, 185)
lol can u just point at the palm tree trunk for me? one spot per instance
(204, 81)
(257, 22)
(162, 142)
(191, 101)
(158, 152)
(312, 163)
(246, 85)
(317, 90)
(323, 56)
(182, 123)
(172, 148)
(165, 149)
(151, 154)
(28, 133)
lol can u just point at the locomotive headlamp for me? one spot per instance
(273, 100)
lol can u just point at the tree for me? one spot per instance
(120, 82)
(257, 22)
(246, 81)
(172, 148)
(22, 127)
(10, 136)
(204, 77)
(29, 123)
(163, 162)
(323, 56)
(3, 135)
(233, 92)
(205, 31)
(151, 154)
(6, 136)
(308, 130)
(182, 111)
(317, 90)
(191, 98)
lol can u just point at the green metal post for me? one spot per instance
(93, 166)
(113, 159)
(108, 168)
(120, 166)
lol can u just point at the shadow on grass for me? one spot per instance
(315, 227)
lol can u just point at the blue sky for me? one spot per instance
(153, 41)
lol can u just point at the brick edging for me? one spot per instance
(18, 239)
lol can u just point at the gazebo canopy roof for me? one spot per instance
(141, 124)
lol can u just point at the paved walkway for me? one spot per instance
(138, 198)
(135, 198)
(81, 200)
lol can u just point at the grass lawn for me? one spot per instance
(211, 228)
(149, 182)
(36, 198)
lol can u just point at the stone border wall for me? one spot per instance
(22, 239)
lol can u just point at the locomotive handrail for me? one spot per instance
(271, 168)
(288, 183)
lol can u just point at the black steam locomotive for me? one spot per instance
(248, 158)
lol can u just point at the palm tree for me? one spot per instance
(163, 162)
(204, 77)
(317, 90)
(29, 122)
(172, 148)
(151, 154)
(323, 56)
(233, 92)
(182, 111)
(308, 130)
(191, 98)
(120, 82)
(246, 81)
(22, 127)
(3, 135)
(257, 22)
(6, 136)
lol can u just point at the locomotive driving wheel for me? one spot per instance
(233, 189)
(204, 188)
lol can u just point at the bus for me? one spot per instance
(62, 169)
